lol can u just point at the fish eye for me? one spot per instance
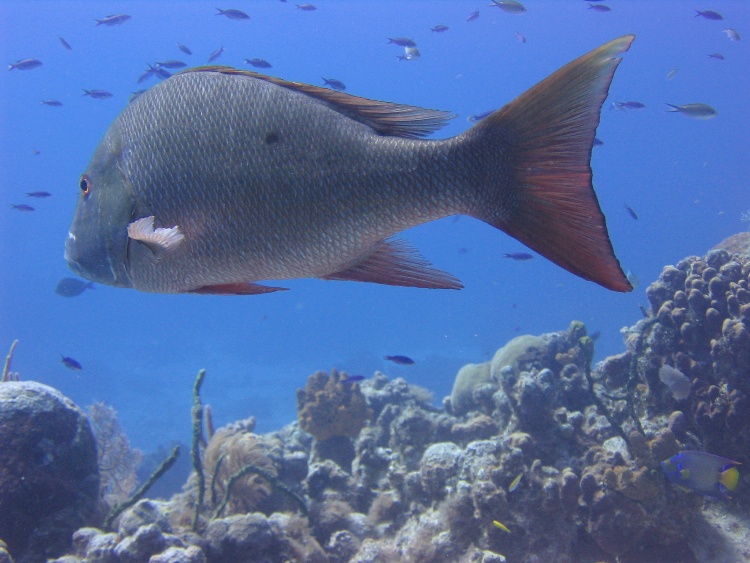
(85, 184)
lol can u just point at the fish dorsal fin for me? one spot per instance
(386, 118)
(395, 262)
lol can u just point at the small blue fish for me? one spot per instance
(704, 473)
(519, 255)
(65, 44)
(401, 360)
(215, 55)
(71, 363)
(352, 378)
(185, 49)
(631, 212)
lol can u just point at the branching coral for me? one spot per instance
(329, 407)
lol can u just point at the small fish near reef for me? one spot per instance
(51, 103)
(509, 6)
(65, 44)
(258, 63)
(284, 154)
(184, 48)
(40, 194)
(400, 360)
(72, 287)
(440, 28)
(97, 94)
(694, 111)
(215, 55)
(353, 379)
(402, 41)
(71, 363)
(628, 105)
(473, 16)
(630, 211)
(704, 473)
(233, 14)
(22, 207)
(335, 84)
(519, 256)
(709, 15)
(500, 525)
(25, 64)
(117, 19)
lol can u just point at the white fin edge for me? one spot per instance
(161, 241)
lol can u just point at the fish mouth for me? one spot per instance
(94, 264)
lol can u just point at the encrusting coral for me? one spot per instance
(328, 406)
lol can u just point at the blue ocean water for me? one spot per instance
(686, 180)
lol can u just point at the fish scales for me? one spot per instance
(349, 188)
(218, 178)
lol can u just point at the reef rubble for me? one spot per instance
(537, 455)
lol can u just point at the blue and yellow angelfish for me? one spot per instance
(704, 473)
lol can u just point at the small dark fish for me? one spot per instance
(595, 335)
(672, 73)
(40, 195)
(479, 116)
(98, 94)
(71, 363)
(440, 28)
(709, 15)
(22, 207)
(402, 41)
(717, 56)
(172, 64)
(400, 360)
(65, 44)
(352, 378)
(509, 6)
(37, 152)
(599, 8)
(519, 255)
(598, 142)
(628, 105)
(110, 21)
(25, 64)
(335, 84)
(306, 7)
(135, 95)
(148, 73)
(233, 14)
(258, 63)
(696, 111)
(704, 473)
(184, 49)
(53, 103)
(160, 72)
(731, 34)
(72, 287)
(472, 16)
(520, 38)
(631, 212)
(216, 54)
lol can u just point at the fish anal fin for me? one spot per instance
(243, 288)
(386, 118)
(549, 204)
(395, 262)
(161, 241)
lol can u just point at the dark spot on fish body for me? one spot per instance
(272, 138)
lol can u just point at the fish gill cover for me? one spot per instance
(70, 73)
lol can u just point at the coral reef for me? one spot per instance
(537, 455)
(49, 478)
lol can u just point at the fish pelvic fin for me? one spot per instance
(395, 262)
(545, 137)
(242, 288)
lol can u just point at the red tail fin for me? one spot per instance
(545, 137)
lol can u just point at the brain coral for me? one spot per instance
(328, 407)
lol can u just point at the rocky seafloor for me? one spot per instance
(563, 454)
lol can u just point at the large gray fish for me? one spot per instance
(218, 178)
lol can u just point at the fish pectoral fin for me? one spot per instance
(244, 288)
(395, 262)
(161, 241)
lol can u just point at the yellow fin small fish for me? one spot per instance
(514, 484)
(500, 525)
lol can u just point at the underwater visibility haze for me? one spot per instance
(192, 168)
